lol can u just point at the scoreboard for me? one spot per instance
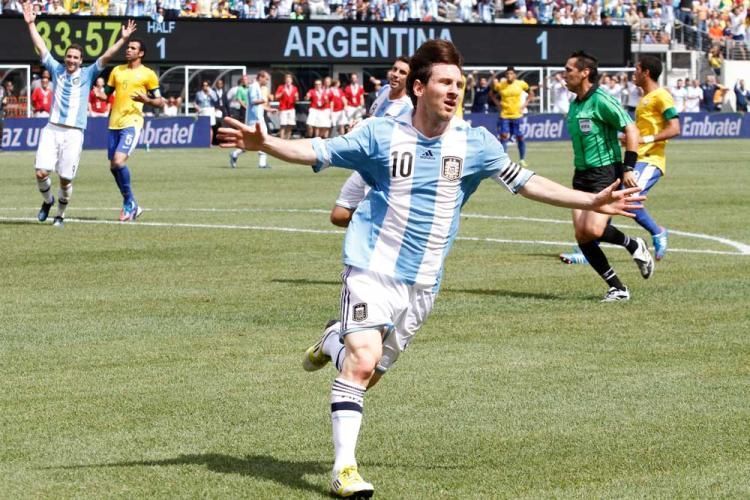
(253, 42)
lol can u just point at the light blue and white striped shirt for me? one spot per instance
(71, 92)
(254, 112)
(406, 225)
(383, 106)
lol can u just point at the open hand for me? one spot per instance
(610, 201)
(127, 29)
(235, 134)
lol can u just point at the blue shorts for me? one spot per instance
(122, 140)
(510, 127)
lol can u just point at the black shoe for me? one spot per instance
(58, 222)
(44, 211)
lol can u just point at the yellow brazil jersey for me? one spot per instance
(125, 111)
(653, 112)
(510, 97)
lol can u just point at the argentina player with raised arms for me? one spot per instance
(61, 139)
(402, 231)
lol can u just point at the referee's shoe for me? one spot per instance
(643, 259)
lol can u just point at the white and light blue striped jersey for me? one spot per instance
(406, 225)
(71, 92)
(382, 106)
(254, 113)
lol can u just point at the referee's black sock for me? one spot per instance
(599, 262)
(613, 235)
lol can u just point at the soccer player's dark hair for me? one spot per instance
(77, 47)
(141, 45)
(402, 59)
(429, 53)
(584, 60)
(652, 64)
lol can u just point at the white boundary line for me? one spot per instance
(742, 249)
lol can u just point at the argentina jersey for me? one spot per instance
(382, 106)
(71, 92)
(406, 225)
(254, 113)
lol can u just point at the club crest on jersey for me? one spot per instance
(76, 80)
(359, 312)
(452, 167)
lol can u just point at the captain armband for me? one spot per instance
(513, 176)
(648, 139)
(628, 164)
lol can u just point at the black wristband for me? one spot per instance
(629, 162)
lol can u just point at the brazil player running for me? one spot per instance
(398, 239)
(657, 121)
(594, 120)
(512, 107)
(134, 85)
(61, 139)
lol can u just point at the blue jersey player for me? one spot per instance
(422, 168)
(61, 140)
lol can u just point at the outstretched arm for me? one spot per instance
(127, 30)
(29, 16)
(607, 201)
(235, 134)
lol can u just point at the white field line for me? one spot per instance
(742, 249)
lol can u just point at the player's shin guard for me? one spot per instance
(45, 187)
(521, 148)
(613, 235)
(347, 401)
(599, 262)
(124, 184)
(63, 198)
(643, 218)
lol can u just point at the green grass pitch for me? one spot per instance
(162, 359)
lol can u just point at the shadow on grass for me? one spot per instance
(302, 281)
(505, 293)
(475, 291)
(265, 467)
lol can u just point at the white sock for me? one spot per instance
(63, 198)
(334, 348)
(237, 152)
(347, 401)
(45, 187)
(262, 159)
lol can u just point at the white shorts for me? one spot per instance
(59, 150)
(319, 118)
(352, 192)
(287, 117)
(371, 301)
(209, 112)
(338, 118)
(355, 112)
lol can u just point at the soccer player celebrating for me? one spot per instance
(134, 85)
(593, 122)
(61, 139)
(512, 107)
(399, 237)
(392, 98)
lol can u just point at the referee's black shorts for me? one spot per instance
(593, 180)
